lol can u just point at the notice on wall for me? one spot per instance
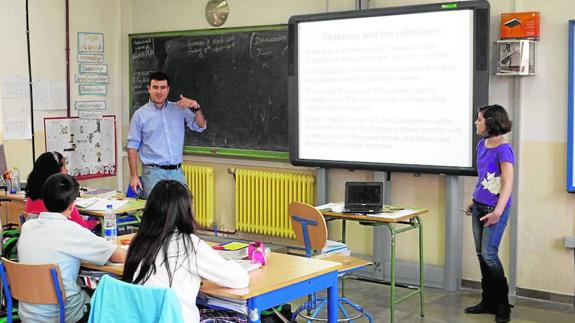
(90, 42)
(15, 86)
(90, 105)
(89, 145)
(17, 128)
(49, 94)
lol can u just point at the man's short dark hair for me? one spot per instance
(159, 76)
(59, 191)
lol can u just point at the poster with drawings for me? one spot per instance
(89, 145)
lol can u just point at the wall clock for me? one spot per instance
(217, 12)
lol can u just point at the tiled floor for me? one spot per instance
(442, 306)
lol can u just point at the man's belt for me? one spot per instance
(166, 167)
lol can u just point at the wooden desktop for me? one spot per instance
(282, 279)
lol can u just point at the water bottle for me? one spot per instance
(110, 229)
(15, 181)
(8, 180)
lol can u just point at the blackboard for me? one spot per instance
(238, 75)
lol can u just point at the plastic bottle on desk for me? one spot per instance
(110, 228)
(8, 180)
(15, 189)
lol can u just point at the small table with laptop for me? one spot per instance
(364, 204)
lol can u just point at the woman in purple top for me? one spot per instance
(490, 208)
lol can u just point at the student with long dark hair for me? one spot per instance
(47, 164)
(166, 253)
(490, 208)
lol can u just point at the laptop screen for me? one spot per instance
(363, 194)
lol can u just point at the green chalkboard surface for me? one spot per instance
(238, 75)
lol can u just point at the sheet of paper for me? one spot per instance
(393, 215)
(101, 204)
(15, 86)
(85, 202)
(17, 128)
(331, 207)
(248, 265)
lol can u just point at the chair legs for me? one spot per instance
(316, 304)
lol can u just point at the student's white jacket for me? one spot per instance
(203, 262)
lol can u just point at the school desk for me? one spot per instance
(18, 202)
(398, 220)
(283, 279)
(13, 208)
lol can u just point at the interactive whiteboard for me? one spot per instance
(389, 89)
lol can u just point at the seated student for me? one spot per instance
(47, 164)
(167, 232)
(51, 238)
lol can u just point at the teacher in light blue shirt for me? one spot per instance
(157, 131)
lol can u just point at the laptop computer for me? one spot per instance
(363, 197)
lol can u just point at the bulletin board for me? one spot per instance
(89, 145)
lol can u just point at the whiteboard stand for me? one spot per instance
(381, 234)
(453, 233)
(321, 194)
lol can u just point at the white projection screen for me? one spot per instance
(392, 89)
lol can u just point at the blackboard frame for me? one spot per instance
(202, 150)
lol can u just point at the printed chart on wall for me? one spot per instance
(89, 145)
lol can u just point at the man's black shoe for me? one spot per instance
(480, 308)
(503, 314)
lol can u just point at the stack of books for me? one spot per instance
(222, 303)
(232, 249)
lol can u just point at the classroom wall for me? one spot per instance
(545, 210)
(546, 214)
(48, 62)
(142, 13)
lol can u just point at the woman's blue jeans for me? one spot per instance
(487, 240)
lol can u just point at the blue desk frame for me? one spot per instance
(280, 296)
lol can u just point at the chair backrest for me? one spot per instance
(25, 216)
(309, 226)
(118, 301)
(33, 283)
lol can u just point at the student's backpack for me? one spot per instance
(270, 315)
(10, 235)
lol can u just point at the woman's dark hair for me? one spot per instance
(47, 164)
(496, 120)
(168, 215)
(59, 191)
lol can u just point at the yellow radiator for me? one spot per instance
(201, 183)
(262, 199)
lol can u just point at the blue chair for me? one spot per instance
(118, 301)
(124, 220)
(25, 216)
(311, 232)
(38, 284)
(131, 193)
